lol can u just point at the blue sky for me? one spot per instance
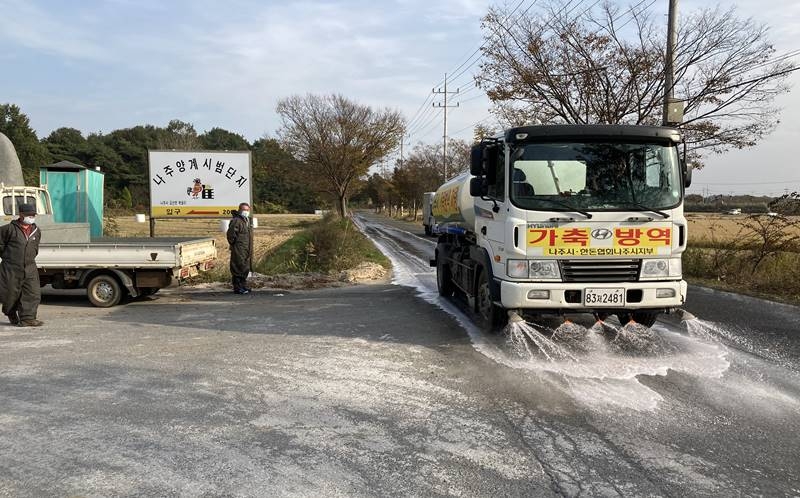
(99, 66)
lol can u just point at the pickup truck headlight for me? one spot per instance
(661, 268)
(536, 269)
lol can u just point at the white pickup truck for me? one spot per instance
(108, 268)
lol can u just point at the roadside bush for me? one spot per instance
(110, 227)
(777, 276)
(266, 207)
(331, 245)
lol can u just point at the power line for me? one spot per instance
(425, 126)
(473, 125)
(477, 50)
(426, 131)
(472, 98)
(416, 114)
(421, 113)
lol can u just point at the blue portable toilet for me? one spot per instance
(76, 193)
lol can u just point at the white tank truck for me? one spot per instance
(110, 269)
(566, 219)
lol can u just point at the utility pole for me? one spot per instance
(444, 107)
(673, 111)
(402, 145)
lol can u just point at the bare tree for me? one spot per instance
(606, 65)
(423, 170)
(339, 139)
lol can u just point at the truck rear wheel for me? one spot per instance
(646, 318)
(104, 291)
(493, 318)
(444, 280)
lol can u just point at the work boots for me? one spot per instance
(31, 323)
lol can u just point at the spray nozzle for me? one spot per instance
(514, 317)
(685, 315)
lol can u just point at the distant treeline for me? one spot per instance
(788, 204)
(714, 208)
(279, 181)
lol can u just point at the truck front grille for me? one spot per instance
(618, 270)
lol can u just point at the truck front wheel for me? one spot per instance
(104, 291)
(492, 318)
(444, 281)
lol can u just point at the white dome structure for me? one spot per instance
(10, 167)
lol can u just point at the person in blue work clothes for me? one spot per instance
(240, 239)
(19, 277)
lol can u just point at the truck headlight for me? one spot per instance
(545, 269)
(517, 268)
(655, 268)
(538, 269)
(661, 268)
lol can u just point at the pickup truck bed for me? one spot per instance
(112, 268)
(139, 253)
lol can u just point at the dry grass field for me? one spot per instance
(707, 227)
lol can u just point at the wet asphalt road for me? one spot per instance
(388, 390)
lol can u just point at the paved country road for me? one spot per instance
(388, 390)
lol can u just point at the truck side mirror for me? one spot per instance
(476, 161)
(687, 174)
(491, 165)
(477, 187)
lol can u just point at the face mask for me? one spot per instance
(29, 220)
(245, 214)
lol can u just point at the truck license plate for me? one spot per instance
(604, 297)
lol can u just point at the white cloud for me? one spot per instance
(26, 24)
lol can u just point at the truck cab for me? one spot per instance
(571, 218)
(12, 196)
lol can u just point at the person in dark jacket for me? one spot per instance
(19, 277)
(240, 239)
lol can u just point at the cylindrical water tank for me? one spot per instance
(453, 204)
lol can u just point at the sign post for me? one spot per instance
(198, 184)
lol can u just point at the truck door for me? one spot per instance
(490, 214)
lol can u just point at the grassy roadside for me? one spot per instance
(328, 246)
(755, 255)
(775, 278)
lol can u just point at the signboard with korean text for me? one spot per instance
(593, 240)
(198, 184)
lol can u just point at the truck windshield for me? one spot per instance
(595, 176)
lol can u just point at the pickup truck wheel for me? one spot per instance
(646, 318)
(104, 291)
(492, 318)
(444, 281)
